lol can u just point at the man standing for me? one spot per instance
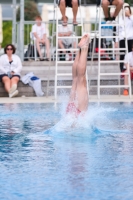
(128, 62)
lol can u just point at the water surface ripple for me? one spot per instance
(45, 155)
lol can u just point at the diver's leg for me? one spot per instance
(74, 77)
(81, 91)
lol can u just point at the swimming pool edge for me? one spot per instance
(51, 99)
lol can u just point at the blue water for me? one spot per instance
(45, 155)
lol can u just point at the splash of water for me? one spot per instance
(96, 120)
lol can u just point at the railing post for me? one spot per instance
(22, 29)
(18, 39)
(14, 23)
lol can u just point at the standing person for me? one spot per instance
(120, 42)
(10, 68)
(128, 62)
(106, 3)
(70, 3)
(65, 42)
(39, 32)
(78, 101)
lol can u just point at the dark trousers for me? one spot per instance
(122, 45)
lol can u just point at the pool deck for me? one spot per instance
(51, 99)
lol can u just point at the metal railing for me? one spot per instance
(88, 26)
(28, 41)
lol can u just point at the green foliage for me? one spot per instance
(129, 1)
(30, 11)
(27, 30)
(7, 33)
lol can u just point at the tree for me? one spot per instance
(129, 1)
(30, 11)
(7, 33)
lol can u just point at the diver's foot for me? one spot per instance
(84, 42)
(64, 21)
(75, 23)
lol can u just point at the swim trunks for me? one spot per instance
(3, 75)
(71, 108)
(99, 2)
(110, 1)
(67, 2)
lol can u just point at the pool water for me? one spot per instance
(45, 155)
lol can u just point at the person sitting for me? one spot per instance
(78, 101)
(128, 62)
(106, 3)
(65, 42)
(70, 3)
(10, 68)
(39, 32)
(128, 30)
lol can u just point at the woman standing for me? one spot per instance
(121, 33)
(10, 68)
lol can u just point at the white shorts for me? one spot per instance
(67, 41)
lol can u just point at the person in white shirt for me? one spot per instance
(120, 42)
(10, 68)
(65, 42)
(128, 62)
(39, 32)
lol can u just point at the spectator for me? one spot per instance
(121, 33)
(70, 3)
(10, 68)
(128, 60)
(65, 42)
(39, 32)
(106, 3)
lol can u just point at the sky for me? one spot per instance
(7, 11)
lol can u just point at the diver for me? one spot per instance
(78, 100)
